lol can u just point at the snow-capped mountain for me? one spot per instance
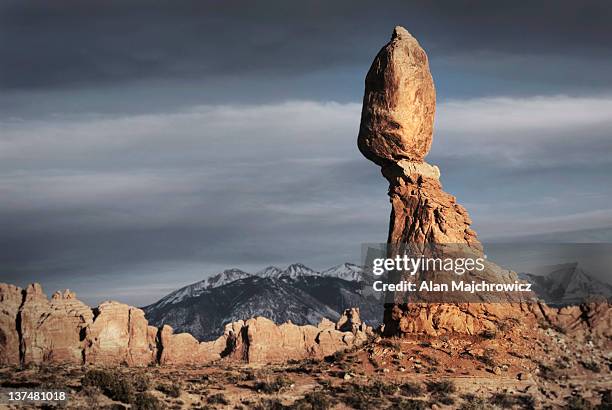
(196, 289)
(346, 271)
(566, 284)
(297, 293)
(298, 270)
(270, 272)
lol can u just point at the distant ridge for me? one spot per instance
(567, 284)
(297, 293)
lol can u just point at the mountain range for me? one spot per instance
(566, 284)
(298, 294)
(305, 296)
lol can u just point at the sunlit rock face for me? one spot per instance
(396, 133)
(399, 103)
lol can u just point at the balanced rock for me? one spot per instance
(396, 133)
(398, 104)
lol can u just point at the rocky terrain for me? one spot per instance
(464, 355)
(520, 365)
(36, 330)
(297, 294)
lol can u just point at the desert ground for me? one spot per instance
(507, 369)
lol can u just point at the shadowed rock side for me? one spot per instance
(35, 330)
(396, 133)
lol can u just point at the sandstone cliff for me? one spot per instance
(35, 330)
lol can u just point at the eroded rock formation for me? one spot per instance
(399, 103)
(120, 334)
(396, 133)
(52, 330)
(11, 298)
(35, 330)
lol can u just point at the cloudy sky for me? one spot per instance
(147, 144)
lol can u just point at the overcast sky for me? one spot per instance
(147, 144)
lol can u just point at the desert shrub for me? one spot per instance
(172, 390)
(525, 401)
(473, 402)
(111, 384)
(411, 389)
(315, 400)
(505, 400)
(377, 388)
(361, 401)
(488, 334)
(139, 381)
(146, 401)
(218, 398)
(442, 387)
(577, 403)
(440, 392)
(444, 399)
(408, 404)
(507, 324)
(126, 388)
(563, 362)
(606, 400)
(273, 386)
(591, 365)
(487, 358)
(269, 404)
(365, 396)
(549, 373)
(392, 344)
(432, 361)
(336, 357)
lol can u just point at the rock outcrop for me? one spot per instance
(399, 103)
(52, 330)
(36, 330)
(120, 334)
(11, 298)
(396, 133)
(590, 321)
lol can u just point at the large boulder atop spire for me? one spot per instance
(399, 103)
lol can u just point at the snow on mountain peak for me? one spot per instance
(270, 272)
(346, 271)
(297, 269)
(225, 277)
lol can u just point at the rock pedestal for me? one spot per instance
(396, 133)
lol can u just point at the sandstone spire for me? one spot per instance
(396, 133)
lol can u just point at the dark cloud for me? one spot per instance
(135, 196)
(144, 144)
(74, 43)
